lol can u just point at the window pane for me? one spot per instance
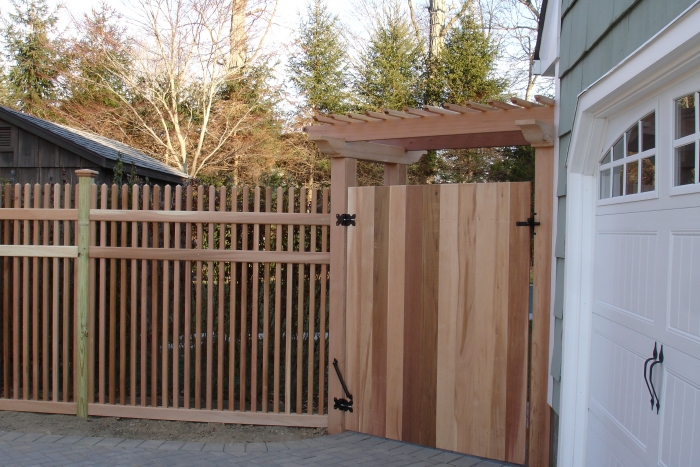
(685, 116)
(631, 187)
(648, 174)
(632, 140)
(617, 180)
(606, 159)
(649, 132)
(618, 150)
(685, 165)
(605, 184)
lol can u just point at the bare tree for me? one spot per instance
(438, 23)
(184, 94)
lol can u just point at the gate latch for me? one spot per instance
(345, 220)
(344, 405)
(529, 223)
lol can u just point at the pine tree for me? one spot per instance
(33, 56)
(318, 67)
(390, 70)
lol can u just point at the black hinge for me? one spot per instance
(345, 220)
(344, 405)
(529, 223)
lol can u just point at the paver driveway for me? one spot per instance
(346, 449)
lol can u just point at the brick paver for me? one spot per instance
(347, 449)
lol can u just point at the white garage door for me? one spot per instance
(647, 292)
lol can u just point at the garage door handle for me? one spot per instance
(651, 370)
(646, 380)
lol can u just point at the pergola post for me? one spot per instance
(395, 174)
(343, 176)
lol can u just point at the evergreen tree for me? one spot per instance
(34, 58)
(318, 67)
(389, 74)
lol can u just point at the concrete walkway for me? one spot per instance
(346, 449)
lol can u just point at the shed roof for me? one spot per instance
(98, 149)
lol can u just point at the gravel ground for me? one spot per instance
(129, 428)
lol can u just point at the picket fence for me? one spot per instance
(203, 304)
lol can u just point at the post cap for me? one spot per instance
(86, 173)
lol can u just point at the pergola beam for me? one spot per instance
(371, 152)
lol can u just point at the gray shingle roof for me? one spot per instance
(99, 145)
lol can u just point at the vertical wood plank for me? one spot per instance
(395, 311)
(122, 303)
(188, 305)
(322, 370)
(539, 351)
(6, 310)
(467, 338)
(45, 357)
(410, 417)
(210, 303)
(198, 310)
(380, 275)
(55, 289)
(16, 324)
(300, 306)
(265, 394)
(278, 307)
(366, 309)
(134, 298)
(167, 202)
(92, 300)
(232, 311)
(144, 299)
(289, 314)
(26, 323)
(255, 297)
(176, 305)
(102, 310)
(312, 310)
(244, 306)
(448, 298)
(114, 196)
(67, 358)
(35, 300)
(221, 312)
(353, 272)
(155, 236)
(343, 176)
(517, 351)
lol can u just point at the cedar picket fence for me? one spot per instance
(204, 304)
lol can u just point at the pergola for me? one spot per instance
(399, 138)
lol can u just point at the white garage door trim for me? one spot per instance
(671, 54)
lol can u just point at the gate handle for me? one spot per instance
(646, 362)
(651, 369)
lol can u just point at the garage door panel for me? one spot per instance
(684, 285)
(626, 272)
(618, 394)
(603, 448)
(680, 409)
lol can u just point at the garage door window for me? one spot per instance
(685, 145)
(629, 167)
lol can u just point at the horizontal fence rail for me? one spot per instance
(206, 304)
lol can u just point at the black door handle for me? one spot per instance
(651, 370)
(646, 363)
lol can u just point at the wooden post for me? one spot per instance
(395, 174)
(343, 176)
(87, 178)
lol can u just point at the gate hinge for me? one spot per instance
(529, 223)
(345, 220)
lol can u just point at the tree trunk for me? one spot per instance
(436, 9)
(237, 36)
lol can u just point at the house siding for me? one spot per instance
(596, 35)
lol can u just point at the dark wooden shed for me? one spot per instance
(33, 150)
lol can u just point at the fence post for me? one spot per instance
(87, 178)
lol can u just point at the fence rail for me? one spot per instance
(205, 304)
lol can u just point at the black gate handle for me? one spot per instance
(646, 362)
(651, 370)
(344, 405)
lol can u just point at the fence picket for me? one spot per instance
(167, 200)
(289, 314)
(188, 305)
(254, 299)
(210, 303)
(154, 302)
(134, 297)
(322, 311)
(122, 303)
(55, 289)
(244, 305)
(312, 309)
(221, 290)
(176, 307)
(35, 299)
(278, 306)
(102, 324)
(114, 196)
(45, 358)
(266, 311)
(198, 310)
(145, 206)
(300, 305)
(232, 311)
(67, 190)
(6, 366)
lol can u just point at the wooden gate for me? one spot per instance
(437, 316)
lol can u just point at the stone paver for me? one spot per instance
(346, 449)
